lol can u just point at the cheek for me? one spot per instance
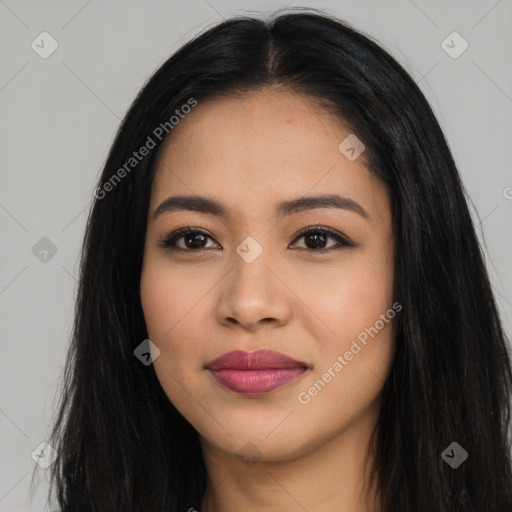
(164, 303)
(175, 305)
(350, 297)
(168, 306)
(159, 301)
(167, 297)
(352, 364)
(361, 315)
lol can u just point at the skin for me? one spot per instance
(250, 152)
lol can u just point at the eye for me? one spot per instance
(195, 239)
(316, 237)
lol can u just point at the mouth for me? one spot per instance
(255, 372)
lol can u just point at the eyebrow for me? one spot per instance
(282, 209)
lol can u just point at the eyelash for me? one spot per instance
(169, 242)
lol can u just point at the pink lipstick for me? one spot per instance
(255, 372)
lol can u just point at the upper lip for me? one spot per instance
(256, 360)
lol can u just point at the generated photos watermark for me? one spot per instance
(158, 133)
(304, 397)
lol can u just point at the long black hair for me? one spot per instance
(122, 446)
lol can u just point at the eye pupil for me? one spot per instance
(316, 238)
(192, 237)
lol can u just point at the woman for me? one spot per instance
(282, 299)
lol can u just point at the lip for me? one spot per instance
(255, 372)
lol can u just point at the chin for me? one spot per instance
(263, 441)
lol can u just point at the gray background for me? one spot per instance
(59, 116)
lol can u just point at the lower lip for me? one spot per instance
(256, 381)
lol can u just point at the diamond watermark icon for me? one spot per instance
(454, 455)
(44, 455)
(44, 250)
(249, 249)
(147, 352)
(351, 147)
(249, 454)
(454, 45)
(44, 45)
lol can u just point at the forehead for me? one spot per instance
(261, 146)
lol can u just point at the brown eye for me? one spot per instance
(193, 240)
(316, 237)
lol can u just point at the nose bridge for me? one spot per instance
(252, 292)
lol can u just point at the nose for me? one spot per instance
(253, 295)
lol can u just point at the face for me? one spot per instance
(245, 278)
